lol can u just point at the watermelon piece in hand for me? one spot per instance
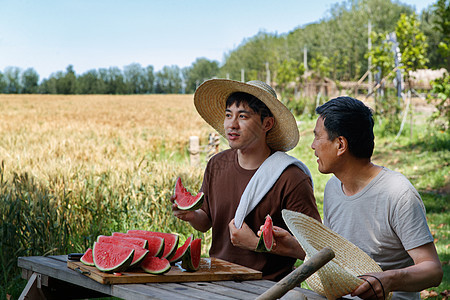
(184, 199)
(265, 242)
(191, 259)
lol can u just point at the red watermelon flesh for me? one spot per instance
(265, 242)
(181, 250)
(139, 252)
(112, 258)
(135, 240)
(87, 258)
(170, 240)
(184, 199)
(155, 265)
(191, 260)
(156, 244)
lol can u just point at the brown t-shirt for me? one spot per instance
(223, 184)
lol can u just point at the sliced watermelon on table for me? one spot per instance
(135, 240)
(181, 250)
(87, 258)
(139, 252)
(191, 259)
(155, 265)
(155, 244)
(170, 240)
(184, 199)
(112, 258)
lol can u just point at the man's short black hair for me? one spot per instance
(254, 103)
(350, 118)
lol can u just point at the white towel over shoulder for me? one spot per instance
(263, 180)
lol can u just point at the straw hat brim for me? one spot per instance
(339, 276)
(210, 98)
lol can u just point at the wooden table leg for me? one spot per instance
(32, 290)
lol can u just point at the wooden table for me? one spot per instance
(50, 278)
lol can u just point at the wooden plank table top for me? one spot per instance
(52, 273)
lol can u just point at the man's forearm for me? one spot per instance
(200, 221)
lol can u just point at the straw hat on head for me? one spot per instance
(339, 276)
(211, 96)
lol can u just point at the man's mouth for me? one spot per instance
(233, 135)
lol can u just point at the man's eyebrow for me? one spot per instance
(240, 111)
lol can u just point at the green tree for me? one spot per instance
(289, 71)
(412, 44)
(201, 70)
(12, 79)
(48, 86)
(168, 80)
(442, 24)
(30, 81)
(321, 66)
(115, 83)
(441, 88)
(3, 83)
(90, 83)
(149, 80)
(134, 78)
(252, 56)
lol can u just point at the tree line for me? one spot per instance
(336, 47)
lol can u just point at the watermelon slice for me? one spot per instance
(170, 240)
(184, 199)
(155, 244)
(191, 259)
(135, 240)
(139, 252)
(181, 250)
(155, 265)
(265, 242)
(112, 258)
(87, 258)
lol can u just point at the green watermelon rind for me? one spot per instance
(198, 199)
(156, 271)
(170, 246)
(119, 267)
(186, 261)
(84, 260)
(150, 245)
(181, 251)
(138, 241)
(138, 250)
(262, 243)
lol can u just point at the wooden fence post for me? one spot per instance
(194, 150)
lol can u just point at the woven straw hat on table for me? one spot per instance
(210, 98)
(339, 276)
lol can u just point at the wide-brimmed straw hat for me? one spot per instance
(210, 98)
(339, 276)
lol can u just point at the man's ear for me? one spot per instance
(268, 123)
(342, 145)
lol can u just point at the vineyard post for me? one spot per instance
(194, 150)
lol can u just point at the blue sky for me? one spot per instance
(91, 34)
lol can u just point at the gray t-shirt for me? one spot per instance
(385, 219)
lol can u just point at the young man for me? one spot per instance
(373, 207)
(252, 179)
